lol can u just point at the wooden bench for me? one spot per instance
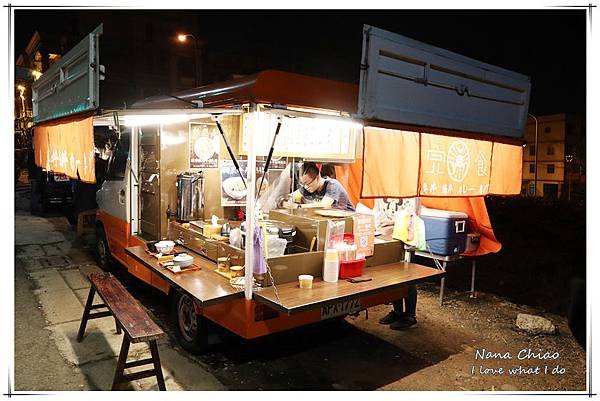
(132, 318)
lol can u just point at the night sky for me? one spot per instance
(547, 45)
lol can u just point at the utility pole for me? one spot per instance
(535, 157)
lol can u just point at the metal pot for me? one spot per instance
(190, 196)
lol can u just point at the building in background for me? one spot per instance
(560, 157)
(139, 51)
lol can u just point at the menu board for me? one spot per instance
(204, 146)
(233, 191)
(314, 138)
(364, 234)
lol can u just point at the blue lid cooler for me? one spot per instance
(445, 231)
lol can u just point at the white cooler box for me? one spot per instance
(445, 231)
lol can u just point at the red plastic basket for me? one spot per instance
(351, 268)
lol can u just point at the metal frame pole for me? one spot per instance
(250, 204)
(443, 283)
(473, 267)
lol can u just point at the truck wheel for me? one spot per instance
(190, 328)
(37, 206)
(103, 255)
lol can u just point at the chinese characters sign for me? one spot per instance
(454, 166)
(404, 164)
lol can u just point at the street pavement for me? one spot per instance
(355, 353)
(51, 288)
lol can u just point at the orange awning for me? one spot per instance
(270, 86)
(66, 147)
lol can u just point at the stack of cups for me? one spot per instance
(331, 266)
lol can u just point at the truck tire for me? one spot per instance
(103, 256)
(191, 329)
(37, 205)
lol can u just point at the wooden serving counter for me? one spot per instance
(210, 288)
(204, 285)
(384, 278)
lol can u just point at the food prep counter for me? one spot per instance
(384, 278)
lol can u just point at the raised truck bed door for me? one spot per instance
(409, 82)
(71, 85)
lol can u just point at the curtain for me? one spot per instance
(67, 147)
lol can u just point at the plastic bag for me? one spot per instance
(334, 233)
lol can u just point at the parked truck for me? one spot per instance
(240, 141)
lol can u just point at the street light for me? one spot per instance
(536, 153)
(182, 37)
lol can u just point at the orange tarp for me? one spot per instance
(350, 176)
(67, 147)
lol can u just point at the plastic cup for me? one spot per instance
(305, 281)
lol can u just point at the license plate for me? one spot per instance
(340, 309)
(60, 177)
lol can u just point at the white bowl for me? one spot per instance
(234, 187)
(164, 246)
(183, 260)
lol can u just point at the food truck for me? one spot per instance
(209, 169)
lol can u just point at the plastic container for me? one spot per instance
(305, 281)
(276, 246)
(210, 230)
(351, 268)
(347, 238)
(331, 266)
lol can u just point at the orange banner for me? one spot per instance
(67, 147)
(507, 169)
(403, 164)
(390, 163)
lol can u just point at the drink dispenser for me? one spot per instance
(190, 196)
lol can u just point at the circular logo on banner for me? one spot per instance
(458, 161)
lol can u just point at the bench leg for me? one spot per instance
(157, 368)
(121, 363)
(86, 313)
(117, 326)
